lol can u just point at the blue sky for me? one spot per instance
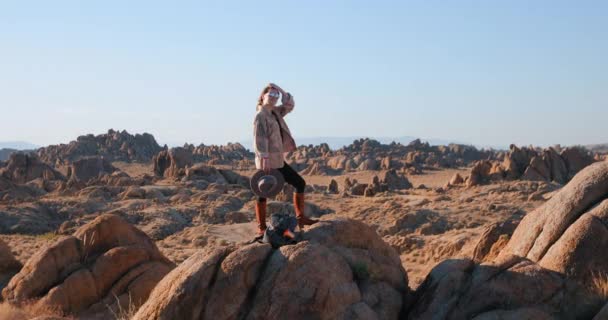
(483, 72)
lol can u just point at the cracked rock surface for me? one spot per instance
(341, 270)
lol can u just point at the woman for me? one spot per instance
(272, 139)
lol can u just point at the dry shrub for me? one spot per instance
(123, 313)
(600, 284)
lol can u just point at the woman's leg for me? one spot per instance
(293, 178)
(260, 215)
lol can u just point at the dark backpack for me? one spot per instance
(278, 224)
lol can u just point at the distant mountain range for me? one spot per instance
(18, 145)
(8, 147)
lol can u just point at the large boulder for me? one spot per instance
(385, 163)
(340, 270)
(566, 232)
(87, 168)
(516, 161)
(333, 186)
(456, 180)
(576, 159)
(459, 289)
(172, 163)
(395, 181)
(480, 173)
(491, 241)
(559, 172)
(538, 170)
(106, 265)
(552, 267)
(316, 169)
(337, 162)
(25, 167)
(209, 174)
(368, 164)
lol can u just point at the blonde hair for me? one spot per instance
(261, 98)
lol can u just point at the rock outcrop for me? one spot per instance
(106, 265)
(225, 154)
(565, 233)
(551, 164)
(551, 268)
(113, 145)
(390, 180)
(332, 187)
(87, 168)
(210, 174)
(341, 270)
(370, 154)
(172, 163)
(24, 167)
(395, 181)
(513, 288)
(316, 169)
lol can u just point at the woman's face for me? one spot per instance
(271, 97)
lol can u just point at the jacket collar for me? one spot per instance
(267, 112)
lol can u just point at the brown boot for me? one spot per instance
(260, 215)
(298, 204)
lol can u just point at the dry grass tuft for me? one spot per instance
(123, 313)
(600, 284)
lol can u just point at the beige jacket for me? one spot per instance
(267, 140)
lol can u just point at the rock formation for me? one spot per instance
(549, 269)
(341, 270)
(105, 263)
(172, 163)
(532, 164)
(113, 145)
(88, 168)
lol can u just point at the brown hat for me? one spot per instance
(267, 185)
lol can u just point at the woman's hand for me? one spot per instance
(277, 87)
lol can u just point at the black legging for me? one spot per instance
(292, 177)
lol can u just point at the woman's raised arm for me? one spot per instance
(287, 102)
